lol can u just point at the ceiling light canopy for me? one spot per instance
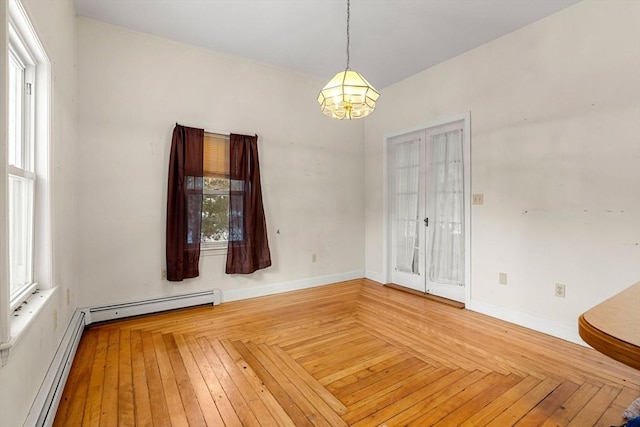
(348, 95)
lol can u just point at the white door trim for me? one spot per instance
(386, 214)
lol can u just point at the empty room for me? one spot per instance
(320, 212)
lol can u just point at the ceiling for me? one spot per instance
(390, 39)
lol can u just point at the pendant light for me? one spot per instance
(348, 95)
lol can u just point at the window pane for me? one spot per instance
(193, 205)
(15, 131)
(20, 232)
(236, 219)
(237, 185)
(216, 183)
(236, 228)
(193, 183)
(215, 218)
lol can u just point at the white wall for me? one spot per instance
(21, 377)
(555, 151)
(555, 140)
(133, 88)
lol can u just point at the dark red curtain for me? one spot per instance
(184, 203)
(248, 248)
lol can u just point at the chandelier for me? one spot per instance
(348, 95)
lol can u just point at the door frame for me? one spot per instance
(386, 207)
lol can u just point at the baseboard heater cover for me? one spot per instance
(153, 305)
(44, 407)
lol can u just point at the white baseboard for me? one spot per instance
(152, 305)
(555, 329)
(375, 276)
(44, 407)
(294, 285)
(558, 330)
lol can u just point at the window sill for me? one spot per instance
(24, 295)
(22, 320)
(213, 251)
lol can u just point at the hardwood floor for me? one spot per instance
(353, 353)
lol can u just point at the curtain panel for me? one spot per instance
(184, 203)
(248, 247)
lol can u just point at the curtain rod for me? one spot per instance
(218, 132)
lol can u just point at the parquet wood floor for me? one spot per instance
(354, 353)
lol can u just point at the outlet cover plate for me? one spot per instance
(560, 290)
(502, 278)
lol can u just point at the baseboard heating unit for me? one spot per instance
(153, 305)
(43, 409)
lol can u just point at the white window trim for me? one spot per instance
(13, 326)
(22, 296)
(22, 173)
(20, 321)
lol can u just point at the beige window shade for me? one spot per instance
(216, 155)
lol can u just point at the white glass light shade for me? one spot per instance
(348, 96)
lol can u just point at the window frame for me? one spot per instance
(23, 165)
(220, 247)
(21, 40)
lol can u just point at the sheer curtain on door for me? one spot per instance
(446, 202)
(407, 163)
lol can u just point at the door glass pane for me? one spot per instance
(20, 232)
(446, 199)
(407, 165)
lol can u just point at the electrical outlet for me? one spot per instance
(163, 274)
(314, 258)
(478, 199)
(560, 290)
(502, 279)
(68, 296)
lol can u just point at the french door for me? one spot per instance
(427, 210)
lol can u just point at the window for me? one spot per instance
(234, 182)
(215, 193)
(21, 169)
(26, 168)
